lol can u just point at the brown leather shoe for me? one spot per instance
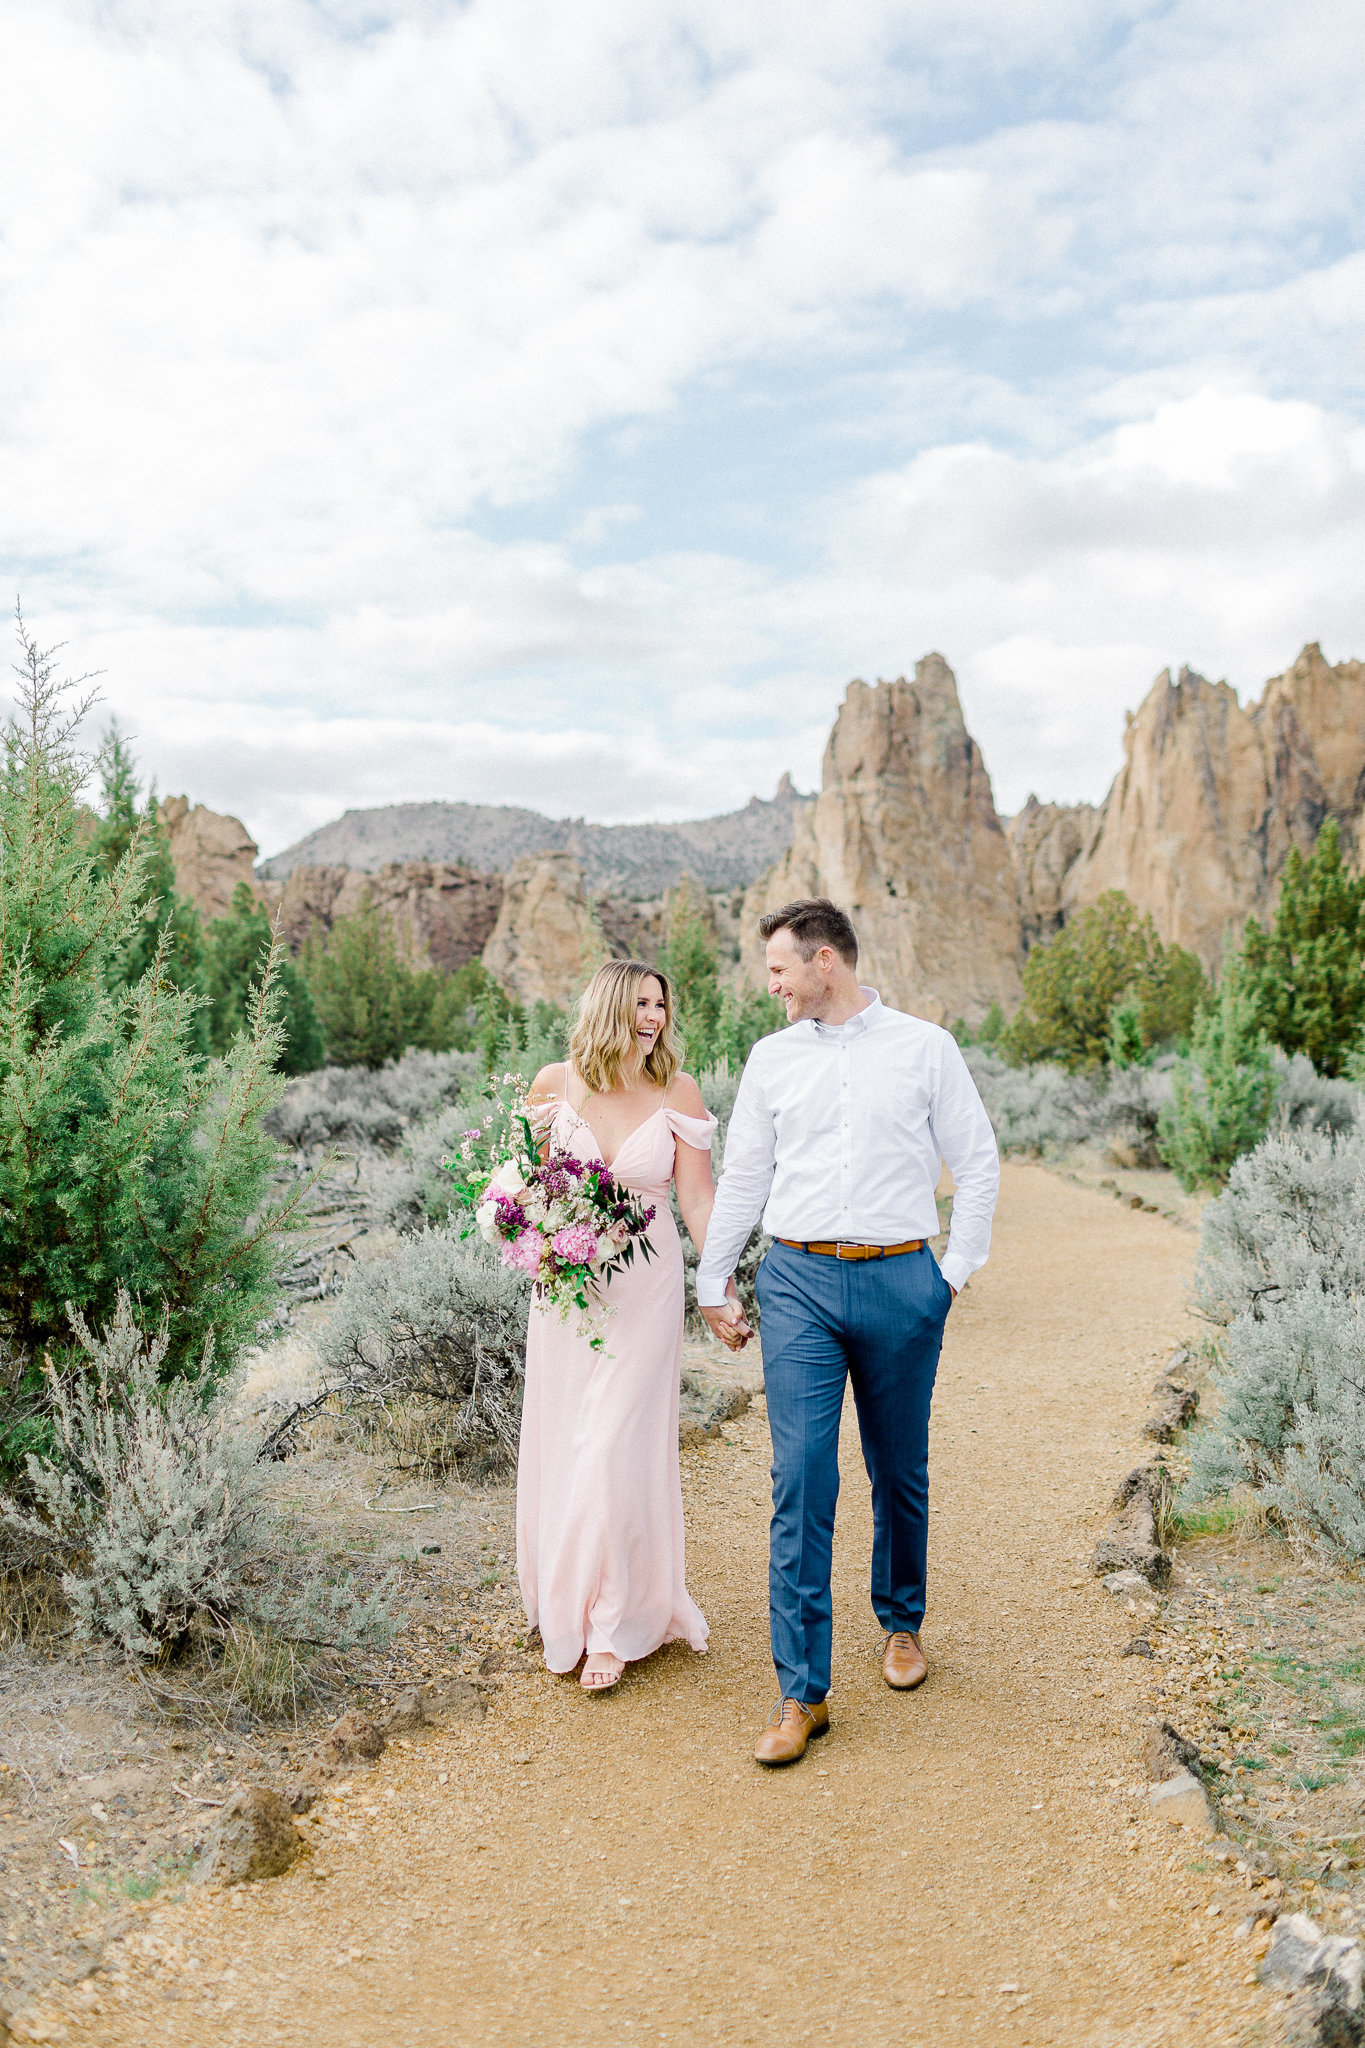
(903, 1666)
(791, 1725)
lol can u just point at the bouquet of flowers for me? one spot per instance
(562, 1221)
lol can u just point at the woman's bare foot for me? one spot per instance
(601, 1671)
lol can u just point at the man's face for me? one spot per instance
(801, 986)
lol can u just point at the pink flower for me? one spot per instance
(524, 1253)
(576, 1244)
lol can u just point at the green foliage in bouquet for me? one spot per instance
(126, 1160)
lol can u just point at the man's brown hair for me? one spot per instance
(813, 922)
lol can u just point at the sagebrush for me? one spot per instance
(154, 1509)
(1281, 1274)
(440, 1320)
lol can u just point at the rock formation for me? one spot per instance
(1046, 842)
(442, 915)
(212, 854)
(947, 897)
(1210, 798)
(904, 834)
(545, 942)
(633, 861)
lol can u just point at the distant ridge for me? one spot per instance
(637, 861)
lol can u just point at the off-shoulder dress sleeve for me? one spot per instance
(696, 1131)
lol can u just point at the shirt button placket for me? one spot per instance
(846, 1162)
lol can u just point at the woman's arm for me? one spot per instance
(548, 1086)
(692, 1168)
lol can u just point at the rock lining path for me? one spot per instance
(966, 1864)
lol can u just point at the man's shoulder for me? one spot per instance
(917, 1030)
(773, 1047)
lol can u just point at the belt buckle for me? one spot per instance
(845, 1250)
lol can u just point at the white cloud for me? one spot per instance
(334, 348)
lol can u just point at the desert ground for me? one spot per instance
(972, 1862)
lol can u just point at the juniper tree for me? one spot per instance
(1073, 983)
(237, 946)
(720, 1025)
(126, 1160)
(124, 813)
(1223, 1094)
(1306, 973)
(372, 1005)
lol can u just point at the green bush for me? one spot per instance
(237, 948)
(373, 1005)
(169, 923)
(1306, 975)
(720, 1025)
(1223, 1094)
(126, 1160)
(1107, 955)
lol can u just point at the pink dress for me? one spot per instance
(600, 1545)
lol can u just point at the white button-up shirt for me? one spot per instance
(841, 1135)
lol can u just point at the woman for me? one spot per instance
(599, 1500)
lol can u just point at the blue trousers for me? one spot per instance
(878, 1322)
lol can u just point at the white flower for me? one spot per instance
(509, 1178)
(486, 1217)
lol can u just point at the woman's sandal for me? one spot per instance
(601, 1681)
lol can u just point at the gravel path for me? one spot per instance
(967, 1863)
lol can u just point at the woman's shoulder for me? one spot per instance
(550, 1084)
(684, 1095)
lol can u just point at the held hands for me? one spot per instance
(729, 1323)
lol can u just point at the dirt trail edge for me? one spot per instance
(968, 1863)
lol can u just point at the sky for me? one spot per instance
(519, 403)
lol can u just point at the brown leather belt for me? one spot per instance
(856, 1251)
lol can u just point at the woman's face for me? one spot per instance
(650, 1013)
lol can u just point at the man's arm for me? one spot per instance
(750, 1145)
(962, 1131)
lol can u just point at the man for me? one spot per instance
(838, 1135)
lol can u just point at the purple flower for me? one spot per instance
(510, 1215)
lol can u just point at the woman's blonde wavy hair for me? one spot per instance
(604, 1028)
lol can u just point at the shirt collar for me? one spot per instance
(864, 1020)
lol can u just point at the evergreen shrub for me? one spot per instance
(1105, 956)
(126, 1159)
(168, 927)
(236, 949)
(1223, 1094)
(1306, 974)
(720, 1025)
(372, 1004)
